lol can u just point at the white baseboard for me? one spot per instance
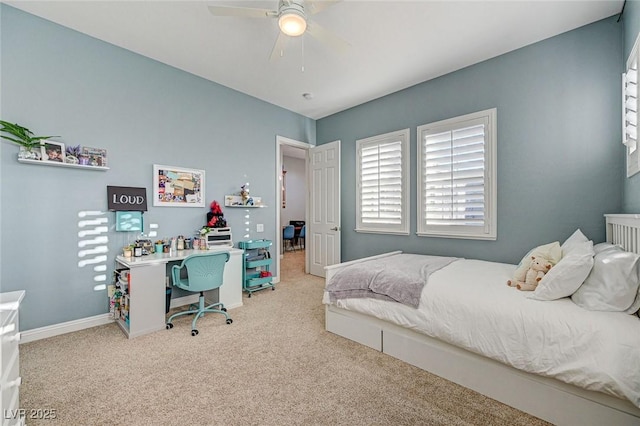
(65, 327)
(102, 319)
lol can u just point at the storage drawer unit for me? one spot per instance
(257, 261)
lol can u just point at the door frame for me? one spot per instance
(280, 142)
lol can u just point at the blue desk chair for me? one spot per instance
(204, 272)
(288, 234)
(303, 234)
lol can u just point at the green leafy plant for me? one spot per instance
(21, 135)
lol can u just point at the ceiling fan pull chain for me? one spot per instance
(302, 54)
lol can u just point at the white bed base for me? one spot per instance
(545, 398)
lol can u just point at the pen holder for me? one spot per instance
(159, 248)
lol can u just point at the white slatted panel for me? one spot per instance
(454, 177)
(624, 230)
(630, 107)
(382, 171)
(381, 183)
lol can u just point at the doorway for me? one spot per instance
(292, 182)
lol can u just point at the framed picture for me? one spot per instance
(93, 156)
(52, 151)
(177, 186)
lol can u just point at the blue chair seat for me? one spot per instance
(288, 235)
(204, 272)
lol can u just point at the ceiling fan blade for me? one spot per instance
(244, 12)
(327, 37)
(278, 48)
(313, 7)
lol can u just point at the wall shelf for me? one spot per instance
(238, 202)
(56, 164)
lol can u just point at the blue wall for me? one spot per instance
(560, 160)
(631, 20)
(57, 81)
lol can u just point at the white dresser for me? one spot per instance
(10, 379)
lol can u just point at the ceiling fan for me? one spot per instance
(292, 16)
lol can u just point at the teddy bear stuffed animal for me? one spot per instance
(537, 269)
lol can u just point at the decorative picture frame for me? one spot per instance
(93, 156)
(52, 151)
(178, 186)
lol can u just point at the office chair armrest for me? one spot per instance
(175, 275)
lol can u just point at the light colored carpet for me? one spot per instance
(275, 365)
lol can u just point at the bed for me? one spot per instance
(553, 358)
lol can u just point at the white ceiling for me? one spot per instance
(394, 44)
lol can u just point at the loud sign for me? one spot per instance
(125, 198)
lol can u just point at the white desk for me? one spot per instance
(147, 289)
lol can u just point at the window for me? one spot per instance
(457, 177)
(383, 183)
(630, 111)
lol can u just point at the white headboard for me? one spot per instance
(624, 230)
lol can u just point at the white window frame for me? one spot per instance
(630, 80)
(401, 136)
(489, 230)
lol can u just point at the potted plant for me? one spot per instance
(23, 137)
(72, 154)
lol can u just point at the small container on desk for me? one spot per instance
(256, 275)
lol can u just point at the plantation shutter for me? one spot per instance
(630, 107)
(453, 178)
(381, 183)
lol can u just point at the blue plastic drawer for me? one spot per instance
(253, 282)
(256, 263)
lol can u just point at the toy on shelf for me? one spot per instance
(215, 218)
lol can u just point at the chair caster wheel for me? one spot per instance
(249, 295)
(169, 326)
(223, 309)
(273, 288)
(194, 332)
(229, 320)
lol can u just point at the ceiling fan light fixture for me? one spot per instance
(292, 23)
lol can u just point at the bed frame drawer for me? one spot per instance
(353, 328)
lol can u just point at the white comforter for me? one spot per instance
(469, 304)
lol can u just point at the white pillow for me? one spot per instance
(568, 275)
(613, 282)
(573, 242)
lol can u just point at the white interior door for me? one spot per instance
(323, 233)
